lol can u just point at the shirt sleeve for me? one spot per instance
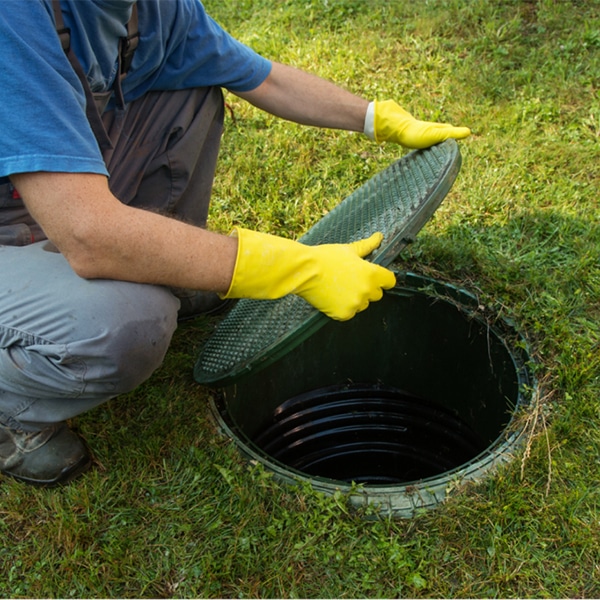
(42, 104)
(181, 47)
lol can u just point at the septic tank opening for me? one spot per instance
(408, 399)
(426, 389)
(368, 434)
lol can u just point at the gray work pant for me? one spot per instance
(68, 344)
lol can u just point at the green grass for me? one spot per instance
(172, 510)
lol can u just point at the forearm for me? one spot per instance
(151, 248)
(298, 96)
(103, 238)
(307, 99)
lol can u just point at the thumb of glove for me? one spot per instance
(365, 246)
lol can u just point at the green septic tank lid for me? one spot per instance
(398, 201)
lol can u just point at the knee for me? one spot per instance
(137, 350)
(132, 349)
(93, 342)
(121, 336)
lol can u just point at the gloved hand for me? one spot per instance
(386, 121)
(334, 278)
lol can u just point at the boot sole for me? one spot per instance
(65, 477)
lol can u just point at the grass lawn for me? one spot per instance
(172, 510)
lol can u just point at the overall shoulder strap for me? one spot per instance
(127, 47)
(64, 33)
(127, 44)
(92, 110)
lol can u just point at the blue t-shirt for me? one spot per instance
(43, 126)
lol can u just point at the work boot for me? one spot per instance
(195, 303)
(45, 458)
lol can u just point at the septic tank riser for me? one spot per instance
(430, 343)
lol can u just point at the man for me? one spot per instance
(111, 115)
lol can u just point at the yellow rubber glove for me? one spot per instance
(334, 278)
(393, 124)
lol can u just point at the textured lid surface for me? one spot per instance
(398, 201)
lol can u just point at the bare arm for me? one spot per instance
(298, 96)
(304, 98)
(103, 238)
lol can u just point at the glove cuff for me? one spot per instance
(369, 128)
(269, 267)
(233, 233)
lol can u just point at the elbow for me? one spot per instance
(84, 266)
(86, 257)
(83, 261)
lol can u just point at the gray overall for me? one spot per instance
(68, 344)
